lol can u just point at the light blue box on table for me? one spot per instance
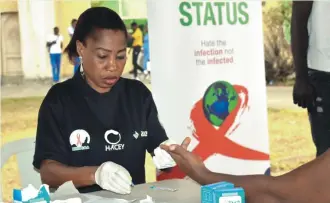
(231, 195)
(222, 192)
(207, 191)
(43, 196)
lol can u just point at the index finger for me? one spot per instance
(176, 157)
(177, 150)
(172, 149)
(165, 147)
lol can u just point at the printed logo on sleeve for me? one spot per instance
(113, 138)
(144, 133)
(136, 135)
(79, 140)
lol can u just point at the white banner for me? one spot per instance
(208, 81)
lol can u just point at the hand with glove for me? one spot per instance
(161, 158)
(113, 177)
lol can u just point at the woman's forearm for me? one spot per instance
(258, 188)
(308, 183)
(55, 174)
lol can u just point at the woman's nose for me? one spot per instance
(112, 65)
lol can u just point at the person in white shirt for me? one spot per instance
(311, 53)
(76, 60)
(72, 27)
(55, 45)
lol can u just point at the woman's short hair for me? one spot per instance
(91, 20)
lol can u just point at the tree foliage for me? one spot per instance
(276, 23)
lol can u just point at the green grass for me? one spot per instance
(290, 141)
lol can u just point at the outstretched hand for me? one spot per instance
(189, 163)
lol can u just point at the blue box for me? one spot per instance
(231, 195)
(223, 192)
(207, 191)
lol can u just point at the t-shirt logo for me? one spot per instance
(141, 134)
(79, 140)
(144, 133)
(113, 138)
(136, 135)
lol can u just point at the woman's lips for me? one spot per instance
(110, 80)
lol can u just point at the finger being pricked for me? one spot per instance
(165, 147)
(177, 158)
(185, 143)
(177, 150)
(171, 150)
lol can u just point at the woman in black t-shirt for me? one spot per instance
(95, 128)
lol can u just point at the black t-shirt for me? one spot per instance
(78, 126)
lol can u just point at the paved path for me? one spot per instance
(277, 97)
(280, 98)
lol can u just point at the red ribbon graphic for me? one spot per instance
(79, 143)
(214, 141)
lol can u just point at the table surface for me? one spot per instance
(188, 191)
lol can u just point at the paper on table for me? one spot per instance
(107, 200)
(68, 190)
(147, 200)
(71, 200)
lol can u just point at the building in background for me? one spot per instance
(25, 25)
(128, 9)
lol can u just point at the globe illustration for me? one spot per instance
(219, 100)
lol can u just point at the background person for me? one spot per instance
(76, 60)
(55, 45)
(146, 51)
(136, 46)
(311, 53)
(95, 128)
(72, 27)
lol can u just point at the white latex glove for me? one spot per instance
(162, 159)
(113, 177)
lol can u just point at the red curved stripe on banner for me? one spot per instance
(240, 90)
(214, 141)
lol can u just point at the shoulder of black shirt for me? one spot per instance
(127, 86)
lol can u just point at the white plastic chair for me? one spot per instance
(24, 151)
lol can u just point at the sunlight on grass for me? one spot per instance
(290, 141)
